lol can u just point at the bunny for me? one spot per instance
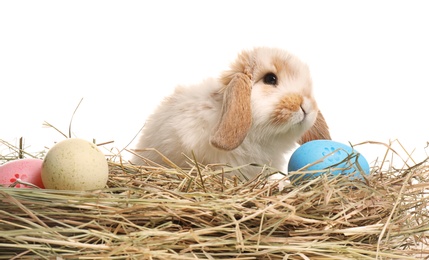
(254, 112)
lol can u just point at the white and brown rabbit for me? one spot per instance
(254, 112)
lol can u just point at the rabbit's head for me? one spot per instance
(269, 91)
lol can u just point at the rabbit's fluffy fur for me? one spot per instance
(254, 112)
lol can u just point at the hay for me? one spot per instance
(197, 213)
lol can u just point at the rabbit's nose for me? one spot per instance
(307, 106)
(303, 110)
(287, 106)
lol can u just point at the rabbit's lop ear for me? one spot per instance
(236, 115)
(319, 130)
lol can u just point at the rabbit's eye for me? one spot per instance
(270, 79)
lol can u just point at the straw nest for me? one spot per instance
(157, 212)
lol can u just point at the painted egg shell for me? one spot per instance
(27, 170)
(334, 158)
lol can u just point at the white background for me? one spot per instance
(369, 62)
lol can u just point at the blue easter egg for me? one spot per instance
(326, 156)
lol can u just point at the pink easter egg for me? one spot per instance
(27, 170)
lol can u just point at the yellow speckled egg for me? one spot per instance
(74, 164)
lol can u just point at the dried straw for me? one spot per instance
(155, 212)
